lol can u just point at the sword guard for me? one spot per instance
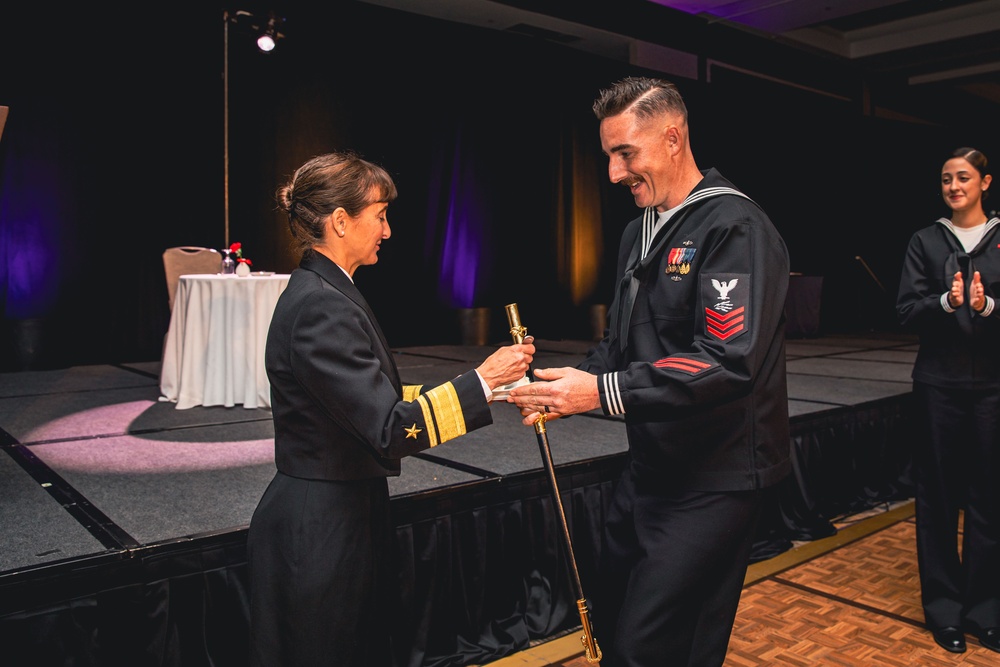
(540, 424)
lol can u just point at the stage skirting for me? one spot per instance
(482, 568)
(482, 565)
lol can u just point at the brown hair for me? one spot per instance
(328, 182)
(645, 97)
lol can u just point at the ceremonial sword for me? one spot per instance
(590, 647)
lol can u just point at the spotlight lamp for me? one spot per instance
(267, 31)
(269, 34)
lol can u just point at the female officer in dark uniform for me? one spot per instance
(950, 278)
(320, 538)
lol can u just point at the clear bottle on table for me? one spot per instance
(228, 263)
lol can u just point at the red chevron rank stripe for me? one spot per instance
(690, 366)
(724, 325)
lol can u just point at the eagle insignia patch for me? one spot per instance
(727, 300)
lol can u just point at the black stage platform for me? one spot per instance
(124, 519)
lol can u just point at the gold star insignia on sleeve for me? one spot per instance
(411, 431)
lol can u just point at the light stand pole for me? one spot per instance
(225, 121)
(270, 31)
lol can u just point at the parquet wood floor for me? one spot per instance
(851, 600)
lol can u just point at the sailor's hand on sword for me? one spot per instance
(556, 392)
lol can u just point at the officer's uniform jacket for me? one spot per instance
(340, 411)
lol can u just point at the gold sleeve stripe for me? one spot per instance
(447, 411)
(432, 434)
(411, 391)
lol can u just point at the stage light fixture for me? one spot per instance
(269, 34)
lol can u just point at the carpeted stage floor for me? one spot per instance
(124, 519)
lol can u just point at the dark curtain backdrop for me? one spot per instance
(471, 123)
(113, 151)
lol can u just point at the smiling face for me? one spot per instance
(641, 156)
(962, 186)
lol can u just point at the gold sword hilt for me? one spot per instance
(518, 332)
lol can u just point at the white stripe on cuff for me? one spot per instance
(613, 394)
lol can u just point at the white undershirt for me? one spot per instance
(969, 236)
(658, 225)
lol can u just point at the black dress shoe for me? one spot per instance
(990, 638)
(951, 639)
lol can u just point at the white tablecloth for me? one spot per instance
(214, 351)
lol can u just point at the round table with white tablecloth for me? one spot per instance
(214, 350)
